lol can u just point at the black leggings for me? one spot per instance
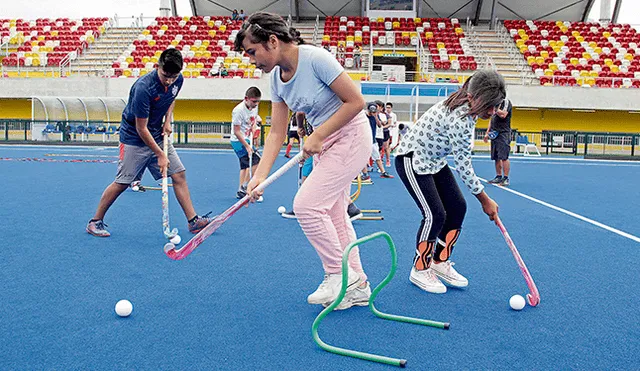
(442, 205)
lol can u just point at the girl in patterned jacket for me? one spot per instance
(445, 129)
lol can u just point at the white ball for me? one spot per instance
(517, 302)
(176, 239)
(135, 188)
(124, 308)
(282, 209)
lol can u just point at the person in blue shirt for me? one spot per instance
(145, 120)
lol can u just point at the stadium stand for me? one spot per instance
(579, 54)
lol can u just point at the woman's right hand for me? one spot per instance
(490, 207)
(251, 188)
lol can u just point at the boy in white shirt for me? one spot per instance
(391, 123)
(244, 121)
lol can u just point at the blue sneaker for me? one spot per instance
(97, 228)
(199, 223)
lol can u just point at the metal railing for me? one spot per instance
(587, 144)
(316, 30)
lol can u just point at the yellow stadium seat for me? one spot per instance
(553, 66)
(35, 62)
(146, 60)
(593, 73)
(614, 68)
(212, 33)
(186, 18)
(586, 55)
(531, 60)
(129, 59)
(151, 43)
(200, 65)
(206, 43)
(459, 31)
(606, 34)
(579, 38)
(628, 56)
(592, 44)
(598, 50)
(440, 45)
(417, 20)
(574, 61)
(143, 72)
(198, 54)
(575, 33)
(428, 35)
(164, 27)
(540, 60)
(222, 28)
(519, 43)
(557, 49)
(552, 43)
(175, 42)
(186, 73)
(584, 73)
(453, 57)
(206, 54)
(544, 54)
(191, 65)
(154, 59)
(145, 32)
(548, 72)
(608, 62)
(211, 24)
(228, 60)
(525, 37)
(126, 72)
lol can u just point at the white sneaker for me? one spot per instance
(359, 296)
(427, 280)
(330, 287)
(260, 199)
(448, 274)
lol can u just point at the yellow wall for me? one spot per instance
(599, 121)
(211, 110)
(15, 108)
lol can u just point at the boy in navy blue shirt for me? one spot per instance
(152, 98)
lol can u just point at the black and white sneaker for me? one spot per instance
(354, 212)
(289, 215)
(505, 181)
(496, 180)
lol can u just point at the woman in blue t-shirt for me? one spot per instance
(310, 80)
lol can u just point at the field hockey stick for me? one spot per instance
(250, 141)
(300, 165)
(166, 228)
(170, 249)
(533, 296)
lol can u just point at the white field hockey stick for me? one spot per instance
(166, 228)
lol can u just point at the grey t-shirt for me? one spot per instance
(309, 89)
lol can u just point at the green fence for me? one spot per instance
(591, 144)
(588, 144)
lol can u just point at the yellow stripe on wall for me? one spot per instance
(598, 121)
(15, 108)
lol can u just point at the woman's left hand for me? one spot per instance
(312, 146)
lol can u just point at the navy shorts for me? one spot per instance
(500, 146)
(243, 155)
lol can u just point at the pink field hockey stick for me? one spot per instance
(170, 249)
(533, 296)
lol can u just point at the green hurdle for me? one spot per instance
(374, 294)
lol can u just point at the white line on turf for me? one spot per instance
(570, 213)
(565, 211)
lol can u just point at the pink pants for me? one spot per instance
(321, 203)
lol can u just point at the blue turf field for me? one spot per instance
(239, 301)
